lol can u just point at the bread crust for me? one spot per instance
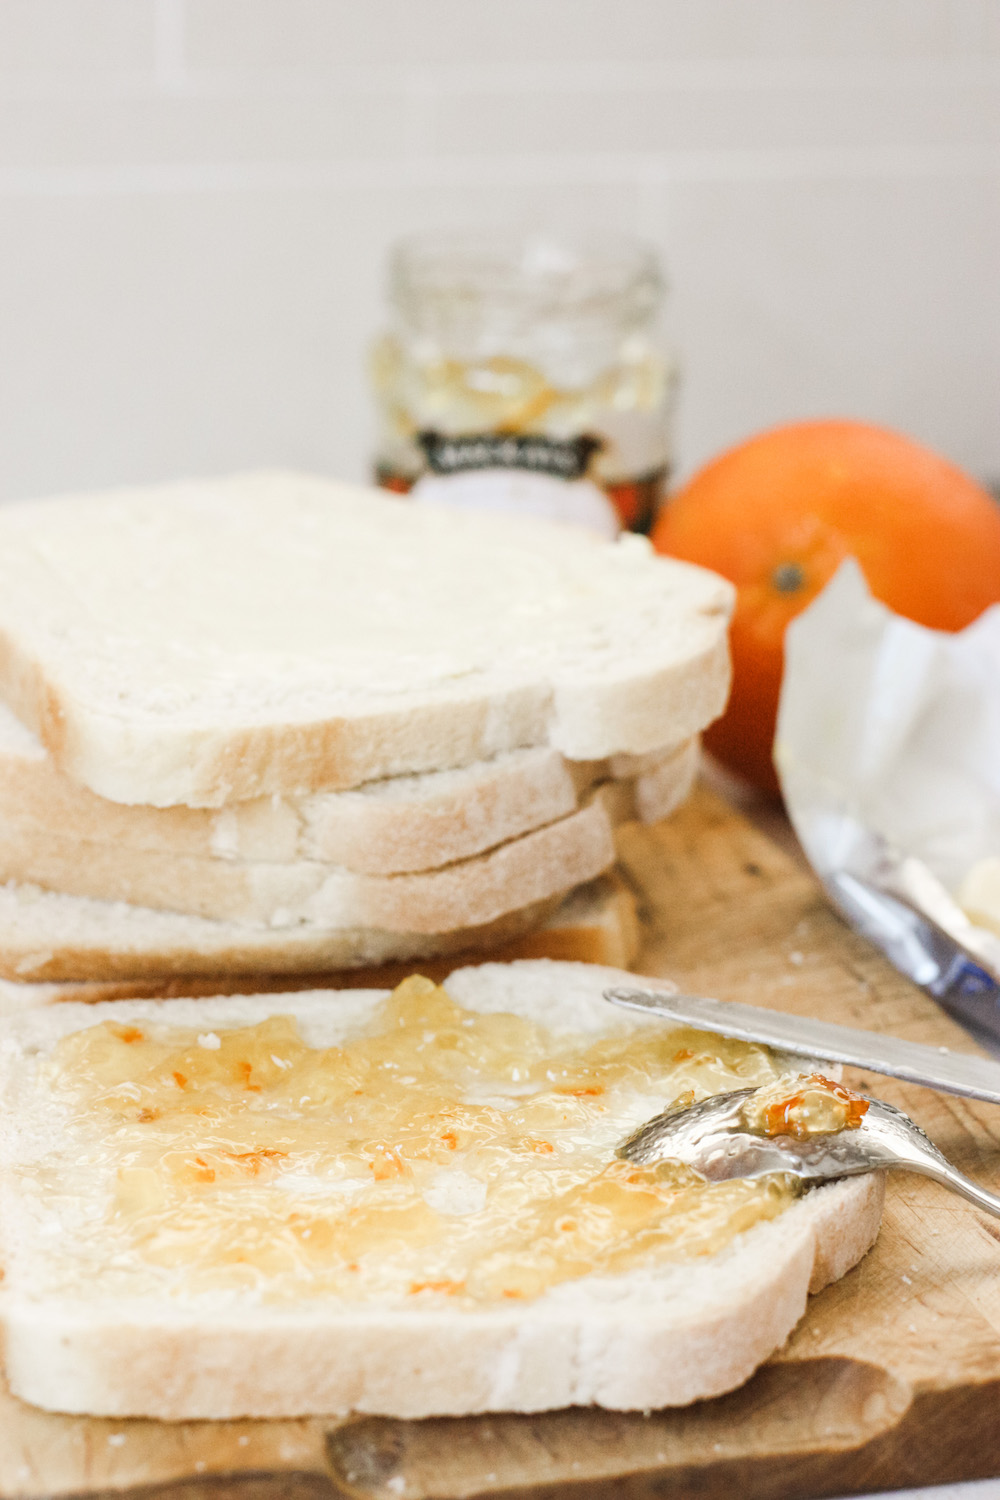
(665, 1335)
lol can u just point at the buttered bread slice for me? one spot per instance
(211, 641)
(405, 1204)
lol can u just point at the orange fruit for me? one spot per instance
(779, 513)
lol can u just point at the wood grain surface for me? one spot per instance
(891, 1379)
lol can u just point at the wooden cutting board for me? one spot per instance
(891, 1379)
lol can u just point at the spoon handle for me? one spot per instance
(948, 1177)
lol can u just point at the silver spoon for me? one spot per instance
(713, 1140)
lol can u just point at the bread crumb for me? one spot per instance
(116, 1439)
(242, 1440)
(796, 957)
(908, 1280)
(209, 1041)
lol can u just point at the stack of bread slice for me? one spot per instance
(270, 727)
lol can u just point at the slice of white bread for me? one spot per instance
(217, 640)
(45, 935)
(596, 924)
(546, 862)
(63, 836)
(92, 1326)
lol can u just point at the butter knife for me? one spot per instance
(933, 1067)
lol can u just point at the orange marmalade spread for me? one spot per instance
(807, 1105)
(437, 1152)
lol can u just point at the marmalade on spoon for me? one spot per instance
(804, 1106)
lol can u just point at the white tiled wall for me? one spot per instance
(196, 198)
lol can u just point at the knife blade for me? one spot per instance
(935, 1068)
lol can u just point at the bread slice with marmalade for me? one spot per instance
(405, 1203)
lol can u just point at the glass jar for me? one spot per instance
(526, 355)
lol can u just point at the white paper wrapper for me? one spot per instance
(888, 752)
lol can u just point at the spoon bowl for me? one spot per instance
(712, 1139)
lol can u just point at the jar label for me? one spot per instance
(563, 458)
